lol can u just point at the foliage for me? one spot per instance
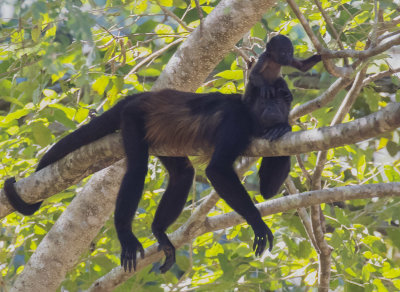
(61, 60)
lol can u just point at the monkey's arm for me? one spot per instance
(307, 64)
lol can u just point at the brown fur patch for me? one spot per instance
(169, 121)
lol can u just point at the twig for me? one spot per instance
(388, 35)
(379, 75)
(201, 16)
(173, 16)
(373, 35)
(302, 167)
(153, 55)
(362, 54)
(305, 218)
(350, 97)
(330, 24)
(320, 101)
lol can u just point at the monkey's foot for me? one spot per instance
(169, 251)
(276, 131)
(261, 234)
(130, 246)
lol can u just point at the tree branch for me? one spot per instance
(372, 51)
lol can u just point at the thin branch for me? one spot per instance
(388, 35)
(200, 12)
(332, 28)
(153, 56)
(173, 16)
(390, 24)
(373, 35)
(305, 218)
(372, 51)
(303, 168)
(350, 96)
(380, 75)
(326, 97)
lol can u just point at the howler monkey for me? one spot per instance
(180, 120)
(278, 53)
(177, 120)
(260, 95)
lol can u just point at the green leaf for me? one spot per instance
(164, 29)
(167, 3)
(392, 273)
(361, 165)
(100, 84)
(41, 134)
(39, 230)
(392, 148)
(35, 33)
(231, 74)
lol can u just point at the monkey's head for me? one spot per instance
(280, 50)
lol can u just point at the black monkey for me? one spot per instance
(180, 120)
(279, 52)
(271, 120)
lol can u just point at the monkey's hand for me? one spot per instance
(130, 246)
(276, 132)
(262, 233)
(169, 251)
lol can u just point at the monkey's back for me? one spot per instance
(184, 120)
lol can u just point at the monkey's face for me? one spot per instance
(280, 49)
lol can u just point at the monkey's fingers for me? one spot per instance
(271, 134)
(262, 242)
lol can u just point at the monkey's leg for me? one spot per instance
(233, 137)
(181, 175)
(132, 185)
(273, 172)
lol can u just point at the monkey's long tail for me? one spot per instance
(97, 128)
(100, 126)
